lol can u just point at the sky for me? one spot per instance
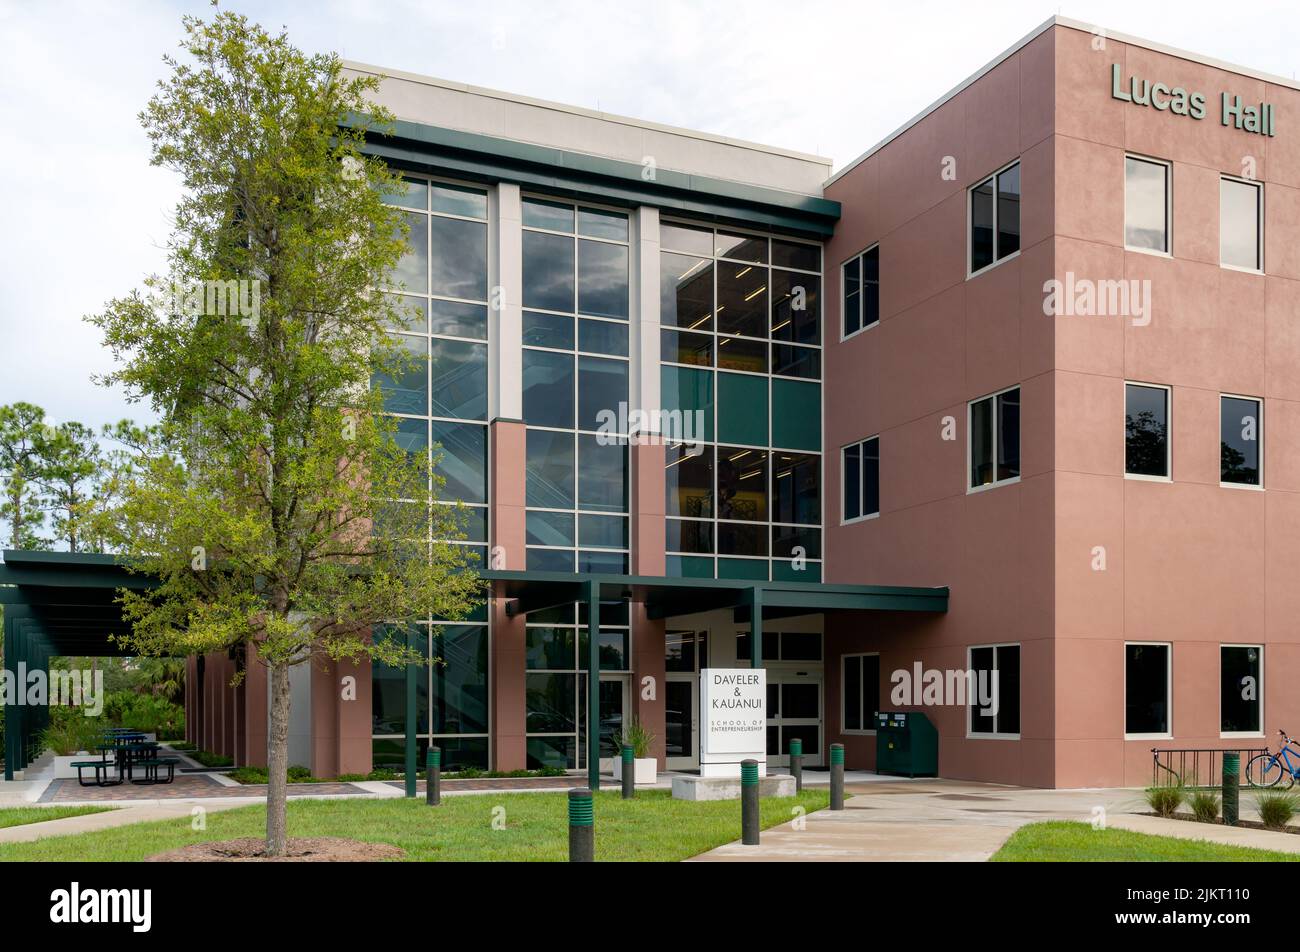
(85, 217)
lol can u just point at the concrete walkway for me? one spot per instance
(138, 813)
(929, 820)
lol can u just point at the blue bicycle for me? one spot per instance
(1267, 770)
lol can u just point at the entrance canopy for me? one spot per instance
(55, 604)
(752, 601)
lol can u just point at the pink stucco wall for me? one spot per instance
(1188, 562)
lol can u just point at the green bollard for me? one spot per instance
(1231, 792)
(796, 763)
(749, 802)
(629, 773)
(433, 777)
(837, 776)
(582, 844)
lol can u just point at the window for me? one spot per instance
(1241, 435)
(1146, 204)
(1241, 690)
(1241, 224)
(995, 218)
(740, 368)
(861, 479)
(576, 298)
(862, 291)
(1146, 431)
(1147, 690)
(993, 691)
(994, 427)
(859, 692)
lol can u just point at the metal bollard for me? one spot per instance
(796, 763)
(629, 773)
(1231, 792)
(433, 777)
(837, 776)
(582, 842)
(749, 802)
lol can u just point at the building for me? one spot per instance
(1034, 358)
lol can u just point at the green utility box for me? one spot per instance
(906, 744)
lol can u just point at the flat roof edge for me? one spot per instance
(1032, 35)
(375, 70)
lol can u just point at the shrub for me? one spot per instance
(70, 732)
(636, 736)
(145, 713)
(1205, 805)
(550, 771)
(383, 773)
(1166, 799)
(209, 759)
(1276, 809)
(352, 777)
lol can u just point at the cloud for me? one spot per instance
(86, 217)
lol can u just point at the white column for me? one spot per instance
(506, 318)
(644, 346)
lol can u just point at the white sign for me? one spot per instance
(733, 718)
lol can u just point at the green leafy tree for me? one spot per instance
(68, 461)
(21, 428)
(274, 503)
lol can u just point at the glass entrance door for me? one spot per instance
(613, 705)
(794, 709)
(681, 748)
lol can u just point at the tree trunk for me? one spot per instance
(277, 760)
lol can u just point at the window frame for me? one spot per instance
(857, 656)
(862, 284)
(864, 517)
(1168, 166)
(995, 735)
(1011, 481)
(970, 222)
(1169, 439)
(1260, 700)
(1259, 402)
(1259, 223)
(1169, 691)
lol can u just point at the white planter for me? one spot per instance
(63, 769)
(645, 770)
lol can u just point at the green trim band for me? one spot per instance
(796, 747)
(1231, 763)
(433, 758)
(581, 811)
(419, 147)
(837, 754)
(749, 773)
(628, 754)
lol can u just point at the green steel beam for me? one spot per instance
(755, 600)
(411, 717)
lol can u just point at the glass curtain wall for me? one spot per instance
(741, 362)
(441, 406)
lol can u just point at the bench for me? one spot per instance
(101, 768)
(151, 768)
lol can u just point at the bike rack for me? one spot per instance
(1197, 766)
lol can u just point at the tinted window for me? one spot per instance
(1146, 430)
(1240, 431)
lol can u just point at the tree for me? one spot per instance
(21, 427)
(68, 462)
(274, 504)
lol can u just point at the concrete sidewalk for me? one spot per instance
(929, 820)
(122, 816)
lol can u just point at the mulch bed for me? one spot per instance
(318, 849)
(1250, 824)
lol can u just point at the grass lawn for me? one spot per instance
(19, 816)
(1079, 842)
(652, 827)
